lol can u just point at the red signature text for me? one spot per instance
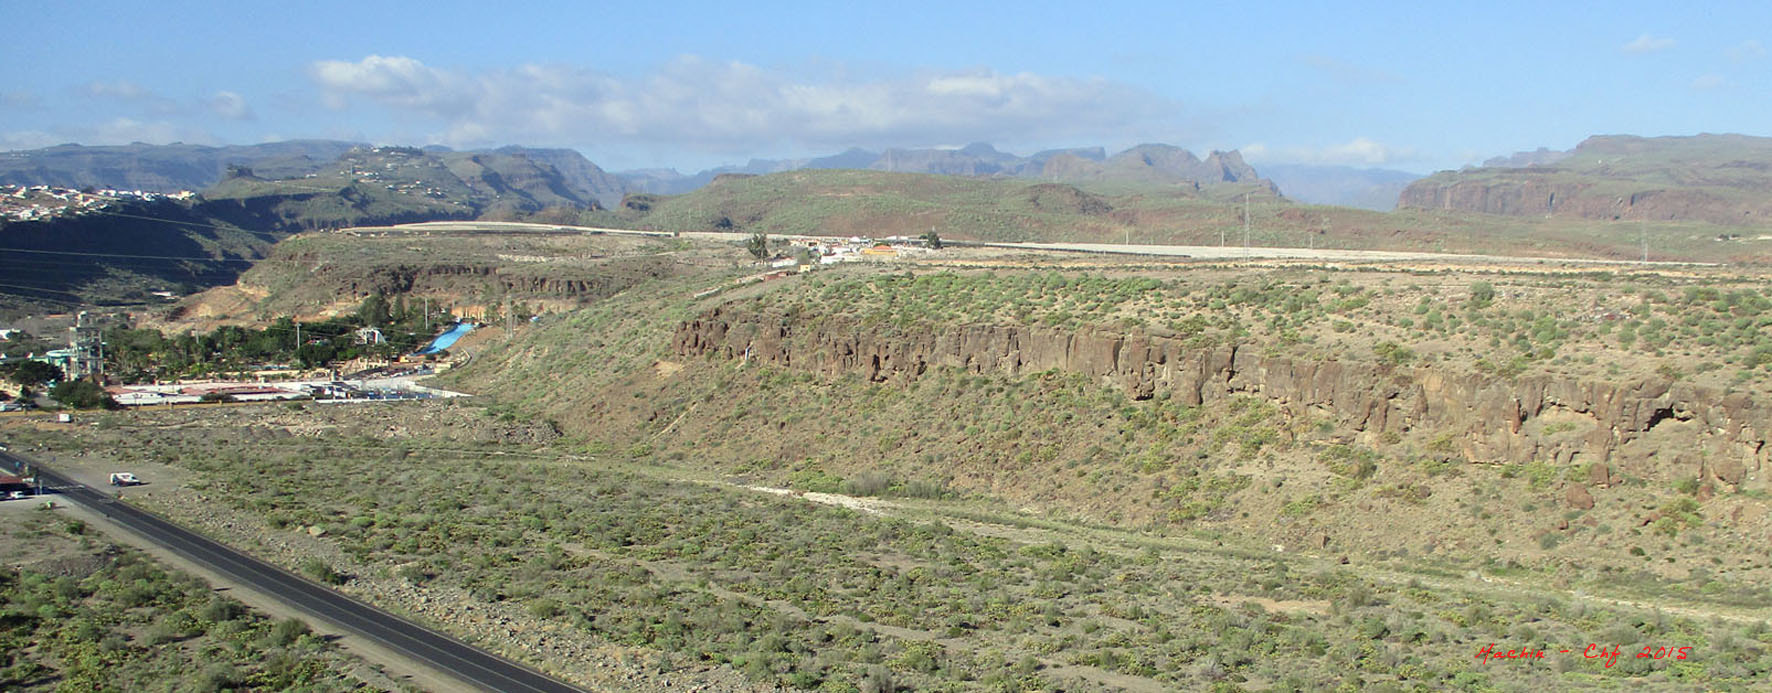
(1608, 653)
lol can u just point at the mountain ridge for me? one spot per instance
(175, 167)
(1152, 163)
(1712, 178)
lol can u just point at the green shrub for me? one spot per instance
(1393, 353)
(320, 571)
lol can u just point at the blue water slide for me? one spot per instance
(447, 339)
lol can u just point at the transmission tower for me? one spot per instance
(88, 347)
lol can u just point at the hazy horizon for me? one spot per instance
(1396, 86)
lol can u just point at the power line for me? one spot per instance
(47, 291)
(175, 221)
(82, 253)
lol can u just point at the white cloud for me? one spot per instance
(729, 106)
(1360, 151)
(396, 81)
(1648, 44)
(1746, 50)
(229, 105)
(1708, 82)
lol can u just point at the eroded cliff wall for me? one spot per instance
(1527, 193)
(1652, 429)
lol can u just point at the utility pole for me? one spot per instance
(427, 315)
(1643, 233)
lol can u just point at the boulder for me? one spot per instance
(1578, 498)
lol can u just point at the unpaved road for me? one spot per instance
(1214, 252)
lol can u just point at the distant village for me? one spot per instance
(41, 202)
(827, 251)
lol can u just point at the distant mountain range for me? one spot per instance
(162, 167)
(167, 168)
(1720, 179)
(570, 178)
(1343, 186)
(1716, 178)
(1145, 163)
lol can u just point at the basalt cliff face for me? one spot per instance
(462, 278)
(1651, 429)
(1526, 192)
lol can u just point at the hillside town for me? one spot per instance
(43, 202)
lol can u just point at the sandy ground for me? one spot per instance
(866, 505)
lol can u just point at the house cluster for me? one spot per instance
(165, 395)
(834, 250)
(151, 395)
(399, 186)
(39, 202)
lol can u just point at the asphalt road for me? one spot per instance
(471, 665)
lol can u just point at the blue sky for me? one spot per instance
(1416, 86)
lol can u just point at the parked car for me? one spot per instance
(124, 479)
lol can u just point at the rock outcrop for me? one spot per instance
(598, 280)
(1548, 192)
(1654, 428)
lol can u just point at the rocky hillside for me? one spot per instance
(1367, 412)
(587, 181)
(321, 275)
(371, 186)
(1719, 179)
(1632, 425)
(124, 252)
